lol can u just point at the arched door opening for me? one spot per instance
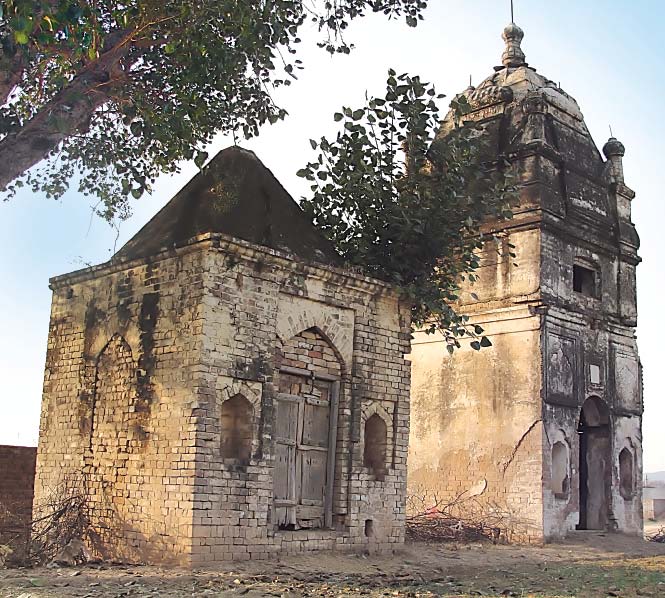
(305, 432)
(594, 465)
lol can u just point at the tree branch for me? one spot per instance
(69, 111)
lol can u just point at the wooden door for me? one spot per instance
(304, 432)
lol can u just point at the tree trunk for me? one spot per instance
(69, 111)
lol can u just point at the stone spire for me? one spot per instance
(513, 56)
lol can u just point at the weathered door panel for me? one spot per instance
(316, 424)
(303, 446)
(284, 457)
(314, 477)
(285, 479)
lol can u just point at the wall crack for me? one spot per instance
(518, 445)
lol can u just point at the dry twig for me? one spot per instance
(659, 536)
(462, 518)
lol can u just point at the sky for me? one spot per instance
(605, 53)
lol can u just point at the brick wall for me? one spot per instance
(263, 313)
(142, 357)
(17, 478)
(116, 421)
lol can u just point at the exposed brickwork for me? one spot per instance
(117, 405)
(115, 437)
(142, 358)
(17, 478)
(309, 351)
(315, 320)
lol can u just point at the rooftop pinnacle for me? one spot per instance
(513, 56)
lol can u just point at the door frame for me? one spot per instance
(590, 433)
(335, 391)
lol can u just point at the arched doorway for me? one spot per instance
(595, 464)
(305, 432)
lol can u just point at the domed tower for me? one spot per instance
(546, 423)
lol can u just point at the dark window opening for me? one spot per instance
(236, 424)
(369, 528)
(376, 439)
(626, 485)
(584, 281)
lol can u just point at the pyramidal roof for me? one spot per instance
(235, 194)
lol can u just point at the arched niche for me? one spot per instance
(626, 473)
(375, 445)
(236, 423)
(113, 440)
(113, 395)
(560, 470)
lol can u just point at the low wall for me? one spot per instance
(17, 479)
(654, 508)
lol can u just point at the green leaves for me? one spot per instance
(156, 80)
(407, 207)
(200, 158)
(476, 345)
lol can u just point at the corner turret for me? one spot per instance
(614, 151)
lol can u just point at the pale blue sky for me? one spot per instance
(605, 53)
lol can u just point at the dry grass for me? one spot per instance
(587, 566)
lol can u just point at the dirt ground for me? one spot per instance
(586, 565)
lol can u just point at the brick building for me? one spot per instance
(221, 389)
(544, 426)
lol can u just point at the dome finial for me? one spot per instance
(513, 56)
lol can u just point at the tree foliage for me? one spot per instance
(407, 207)
(120, 92)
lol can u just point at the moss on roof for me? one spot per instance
(237, 195)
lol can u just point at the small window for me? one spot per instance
(626, 478)
(369, 528)
(584, 281)
(374, 456)
(236, 423)
(560, 477)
